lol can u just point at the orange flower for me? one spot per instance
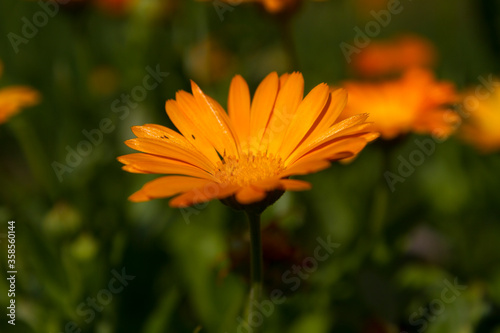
(482, 122)
(12, 99)
(415, 102)
(275, 6)
(394, 56)
(248, 154)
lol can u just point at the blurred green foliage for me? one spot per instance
(397, 249)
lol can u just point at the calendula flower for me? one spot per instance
(394, 56)
(416, 102)
(482, 120)
(248, 154)
(14, 98)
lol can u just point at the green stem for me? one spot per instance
(255, 264)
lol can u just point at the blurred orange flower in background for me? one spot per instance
(394, 56)
(272, 6)
(416, 102)
(207, 61)
(250, 152)
(14, 98)
(275, 6)
(482, 122)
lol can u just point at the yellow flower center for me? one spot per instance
(247, 169)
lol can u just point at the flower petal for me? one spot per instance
(307, 113)
(338, 127)
(168, 135)
(283, 78)
(131, 169)
(338, 101)
(205, 193)
(288, 100)
(238, 106)
(248, 194)
(326, 136)
(165, 149)
(305, 167)
(262, 106)
(268, 184)
(19, 96)
(146, 163)
(12, 99)
(154, 131)
(335, 150)
(186, 125)
(215, 123)
(295, 185)
(168, 186)
(139, 196)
